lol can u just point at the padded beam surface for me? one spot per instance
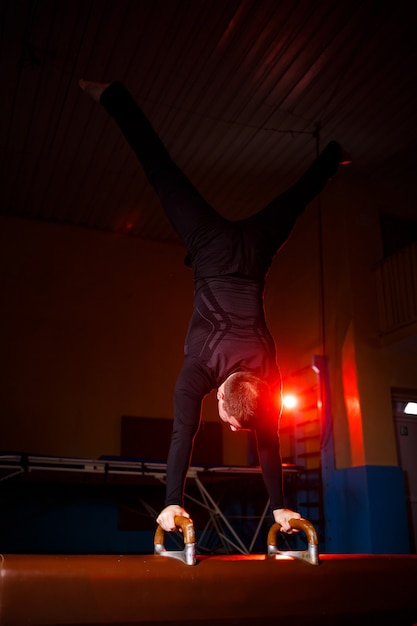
(108, 590)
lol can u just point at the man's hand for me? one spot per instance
(166, 517)
(283, 516)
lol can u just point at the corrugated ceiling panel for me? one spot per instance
(236, 89)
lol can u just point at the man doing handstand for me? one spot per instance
(228, 345)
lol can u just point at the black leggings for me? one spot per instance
(195, 221)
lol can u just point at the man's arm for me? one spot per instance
(270, 460)
(191, 387)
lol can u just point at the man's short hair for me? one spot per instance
(247, 398)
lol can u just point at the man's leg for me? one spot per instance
(276, 221)
(191, 216)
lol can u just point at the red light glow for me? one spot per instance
(289, 401)
(352, 400)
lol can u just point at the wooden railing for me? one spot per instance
(396, 280)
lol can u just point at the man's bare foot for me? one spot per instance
(94, 90)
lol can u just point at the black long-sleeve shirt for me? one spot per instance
(227, 334)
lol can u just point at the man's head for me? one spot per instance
(242, 398)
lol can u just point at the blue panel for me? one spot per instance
(365, 511)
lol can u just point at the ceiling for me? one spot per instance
(243, 92)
